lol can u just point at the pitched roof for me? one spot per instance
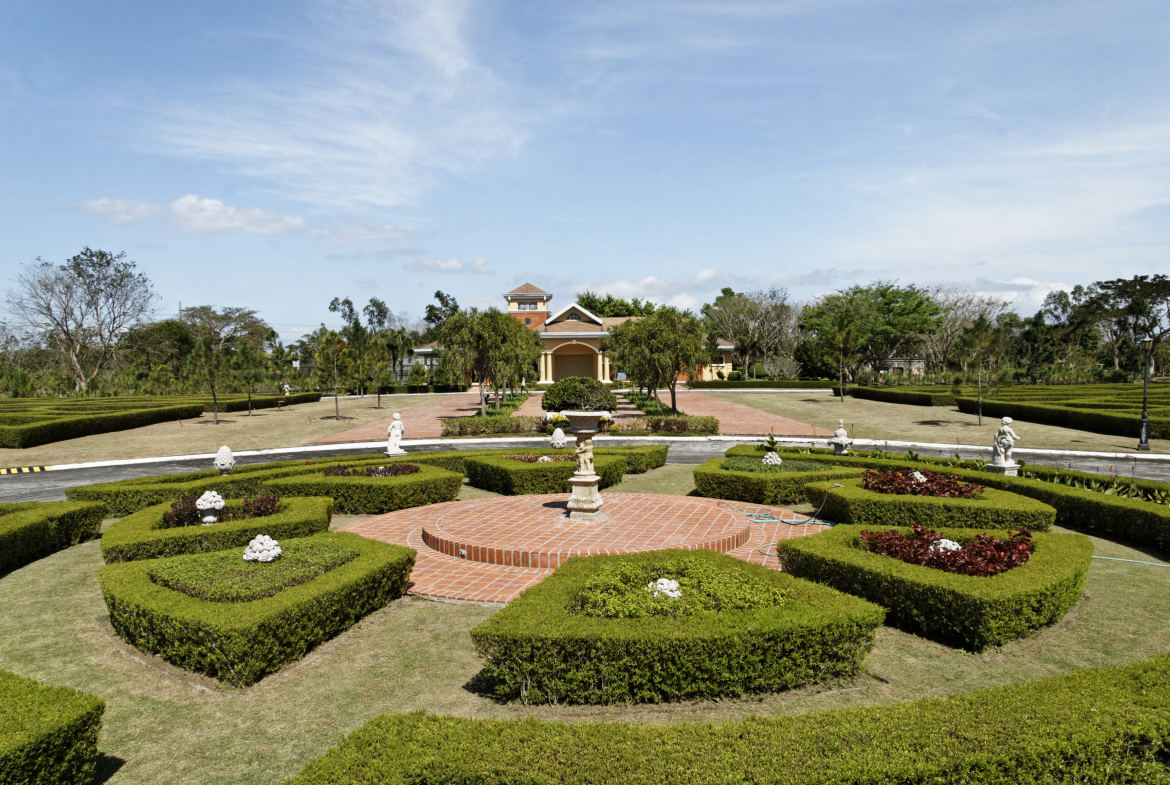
(528, 289)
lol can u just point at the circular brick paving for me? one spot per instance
(495, 533)
(536, 531)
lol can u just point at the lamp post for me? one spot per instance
(1144, 440)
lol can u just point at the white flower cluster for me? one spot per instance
(544, 459)
(224, 461)
(263, 549)
(918, 476)
(946, 545)
(211, 503)
(665, 586)
(772, 459)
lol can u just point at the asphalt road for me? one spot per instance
(50, 486)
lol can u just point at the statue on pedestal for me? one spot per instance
(584, 454)
(394, 436)
(1005, 440)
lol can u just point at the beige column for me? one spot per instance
(545, 376)
(605, 368)
(600, 369)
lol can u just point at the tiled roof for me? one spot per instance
(569, 326)
(528, 289)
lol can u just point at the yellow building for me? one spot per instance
(571, 338)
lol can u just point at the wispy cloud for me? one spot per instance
(194, 215)
(425, 264)
(380, 101)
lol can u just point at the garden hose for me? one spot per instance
(764, 515)
(1133, 561)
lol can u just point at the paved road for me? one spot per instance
(50, 486)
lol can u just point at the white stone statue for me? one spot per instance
(210, 503)
(584, 456)
(262, 549)
(224, 461)
(841, 441)
(772, 459)
(558, 439)
(667, 586)
(394, 436)
(1005, 440)
(544, 459)
(946, 545)
(918, 476)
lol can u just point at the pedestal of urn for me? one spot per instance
(586, 501)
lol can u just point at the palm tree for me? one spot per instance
(842, 337)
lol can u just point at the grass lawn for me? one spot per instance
(164, 726)
(879, 420)
(294, 426)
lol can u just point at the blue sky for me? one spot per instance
(276, 155)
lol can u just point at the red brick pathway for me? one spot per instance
(737, 419)
(498, 526)
(422, 422)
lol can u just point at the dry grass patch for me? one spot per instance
(879, 420)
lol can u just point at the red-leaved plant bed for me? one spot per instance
(185, 513)
(393, 470)
(985, 557)
(904, 483)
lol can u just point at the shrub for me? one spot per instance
(578, 394)
(539, 650)
(492, 424)
(32, 530)
(903, 482)
(353, 495)
(142, 536)
(992, 509)
(1066, 416)
(715, 481)
(971, 611)
(684, 423)
(185, 512)
(984, 557)
(1094, 726)
(56, 427)
(740, 383)
(919, 398)
(757, 465)
(393, 470)
(241, 642)
(48, 735)
(639, 460)
(516, 478)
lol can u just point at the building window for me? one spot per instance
(527, 322)
(574, 317)
(526, 305)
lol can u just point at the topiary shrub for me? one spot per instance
(144, 534)
(781, 633)
(32, 530)
(970, 611)
(848, 502)
(48, 735)
(578, 394)
(721, 478)
(241, 642)
(373, 495)
(517, 478)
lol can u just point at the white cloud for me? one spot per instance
(194, 215)
(1025, 294)
(425, 264)
(380, 101)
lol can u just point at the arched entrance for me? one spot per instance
(574, 359)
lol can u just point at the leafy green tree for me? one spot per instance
(842, 336)
(210, 366)
(332, 356)
(436, 316)
(579, 394)
(418, 375)
(230, 327)
(251, 367)
(477, 343)
(1037, 347)
(658, 348)
(610, 306)
(981, 343)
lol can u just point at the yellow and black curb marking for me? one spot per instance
(24, 470)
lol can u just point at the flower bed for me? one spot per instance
(970, 611)
(143, 535)
(919, 482)
(849, 502)
(186, 512)
(542, 648)
(987, 555)
(241, 642)
(716, 479)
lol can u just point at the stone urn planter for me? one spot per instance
(586, 501)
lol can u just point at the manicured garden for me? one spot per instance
(213, 668)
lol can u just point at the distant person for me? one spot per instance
(287, 389)
(523, 385)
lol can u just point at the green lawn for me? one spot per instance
(164, 726)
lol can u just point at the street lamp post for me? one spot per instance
(1144, 440)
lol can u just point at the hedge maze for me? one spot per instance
(28, 422)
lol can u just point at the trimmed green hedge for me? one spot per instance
(903, 395)
(516, 478)
(32, 530)
(1093, 420)
(639, 460)
(59, 428)
(242, 642)
(141, 535)
(971, 611)
(1115, 518)
(767, 384)
(48, 735)
(355, 495)
(1109, 725)
(992, 509)
(715, 482)
(537, 651)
